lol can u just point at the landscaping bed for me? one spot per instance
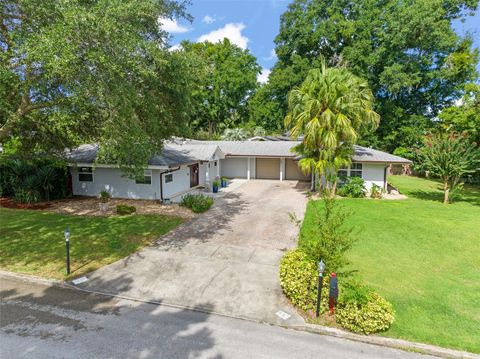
(88, 206)
(32, 241)
(423, 257)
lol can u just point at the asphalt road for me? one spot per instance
(40, 321)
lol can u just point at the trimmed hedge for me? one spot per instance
(359, 309)
(299, 281)
(124, 209)
(374, 316)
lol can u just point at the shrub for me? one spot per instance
(124, 209)
(376, 191)
(354, 187)
(359, 309)
(299, 281)
(33, 180)
(198, 203)
(104, 196)
(369, 315)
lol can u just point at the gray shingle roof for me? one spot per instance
(364, 154)
(253, 148)
(284, 149)
(172, 154)
(190, 151)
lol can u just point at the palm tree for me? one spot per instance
(329, 109)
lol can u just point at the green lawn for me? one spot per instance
(33, 241)
(424, 257)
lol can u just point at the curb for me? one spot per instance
(311, 328)
(390, 342)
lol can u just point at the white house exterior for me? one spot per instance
(188, 164)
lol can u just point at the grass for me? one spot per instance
(33, 241)
(422, 256)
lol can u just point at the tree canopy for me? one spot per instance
(408, 52)
(227, 77)
(90, 71)
(465, 116)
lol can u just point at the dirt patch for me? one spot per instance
(88, 206)
(10, 203)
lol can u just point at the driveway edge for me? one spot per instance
(311, 328)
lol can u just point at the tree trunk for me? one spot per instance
(446, 191)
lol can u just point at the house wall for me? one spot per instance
(113, 181)
(180, 183)
(373, 173)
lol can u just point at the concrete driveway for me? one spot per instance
(226, 259)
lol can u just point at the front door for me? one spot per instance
(193, 175)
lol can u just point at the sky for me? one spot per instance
(253, 25)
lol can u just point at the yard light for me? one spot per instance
(321, 268)
(67, 245)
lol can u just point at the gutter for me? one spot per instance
(161, 180)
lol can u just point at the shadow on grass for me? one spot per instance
(469, 194)
(50, 319)
(33, 241)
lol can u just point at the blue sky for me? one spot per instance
(253, 24)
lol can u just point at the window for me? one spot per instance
(85, 174)
(342, 172)
(356, 170)
(146, 179)
(169, 178)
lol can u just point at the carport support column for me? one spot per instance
(282, 168)
(248, 168)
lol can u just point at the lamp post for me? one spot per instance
(321, 268)
(67, 245)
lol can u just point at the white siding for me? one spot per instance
(373, 173)
(253, 169)
(119, 186)
(235, 167)
(180, 183)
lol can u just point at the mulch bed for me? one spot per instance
(7, 202)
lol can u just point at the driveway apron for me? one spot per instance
(224, 261)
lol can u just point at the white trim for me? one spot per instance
(248, 168)
(145, 175)
(94, 165)
(282, 168)
(349, 169)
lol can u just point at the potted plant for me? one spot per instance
(104, 198)
(224, 182)
(215, 186)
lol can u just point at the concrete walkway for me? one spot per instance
(225, 261)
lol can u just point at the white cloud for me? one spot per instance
(207, 19)
(175, 47)
(263, 76)
(272, 56)
(172, 26)
(231, 31)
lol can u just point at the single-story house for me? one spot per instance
(184, 165)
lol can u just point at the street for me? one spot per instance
(40, 321)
